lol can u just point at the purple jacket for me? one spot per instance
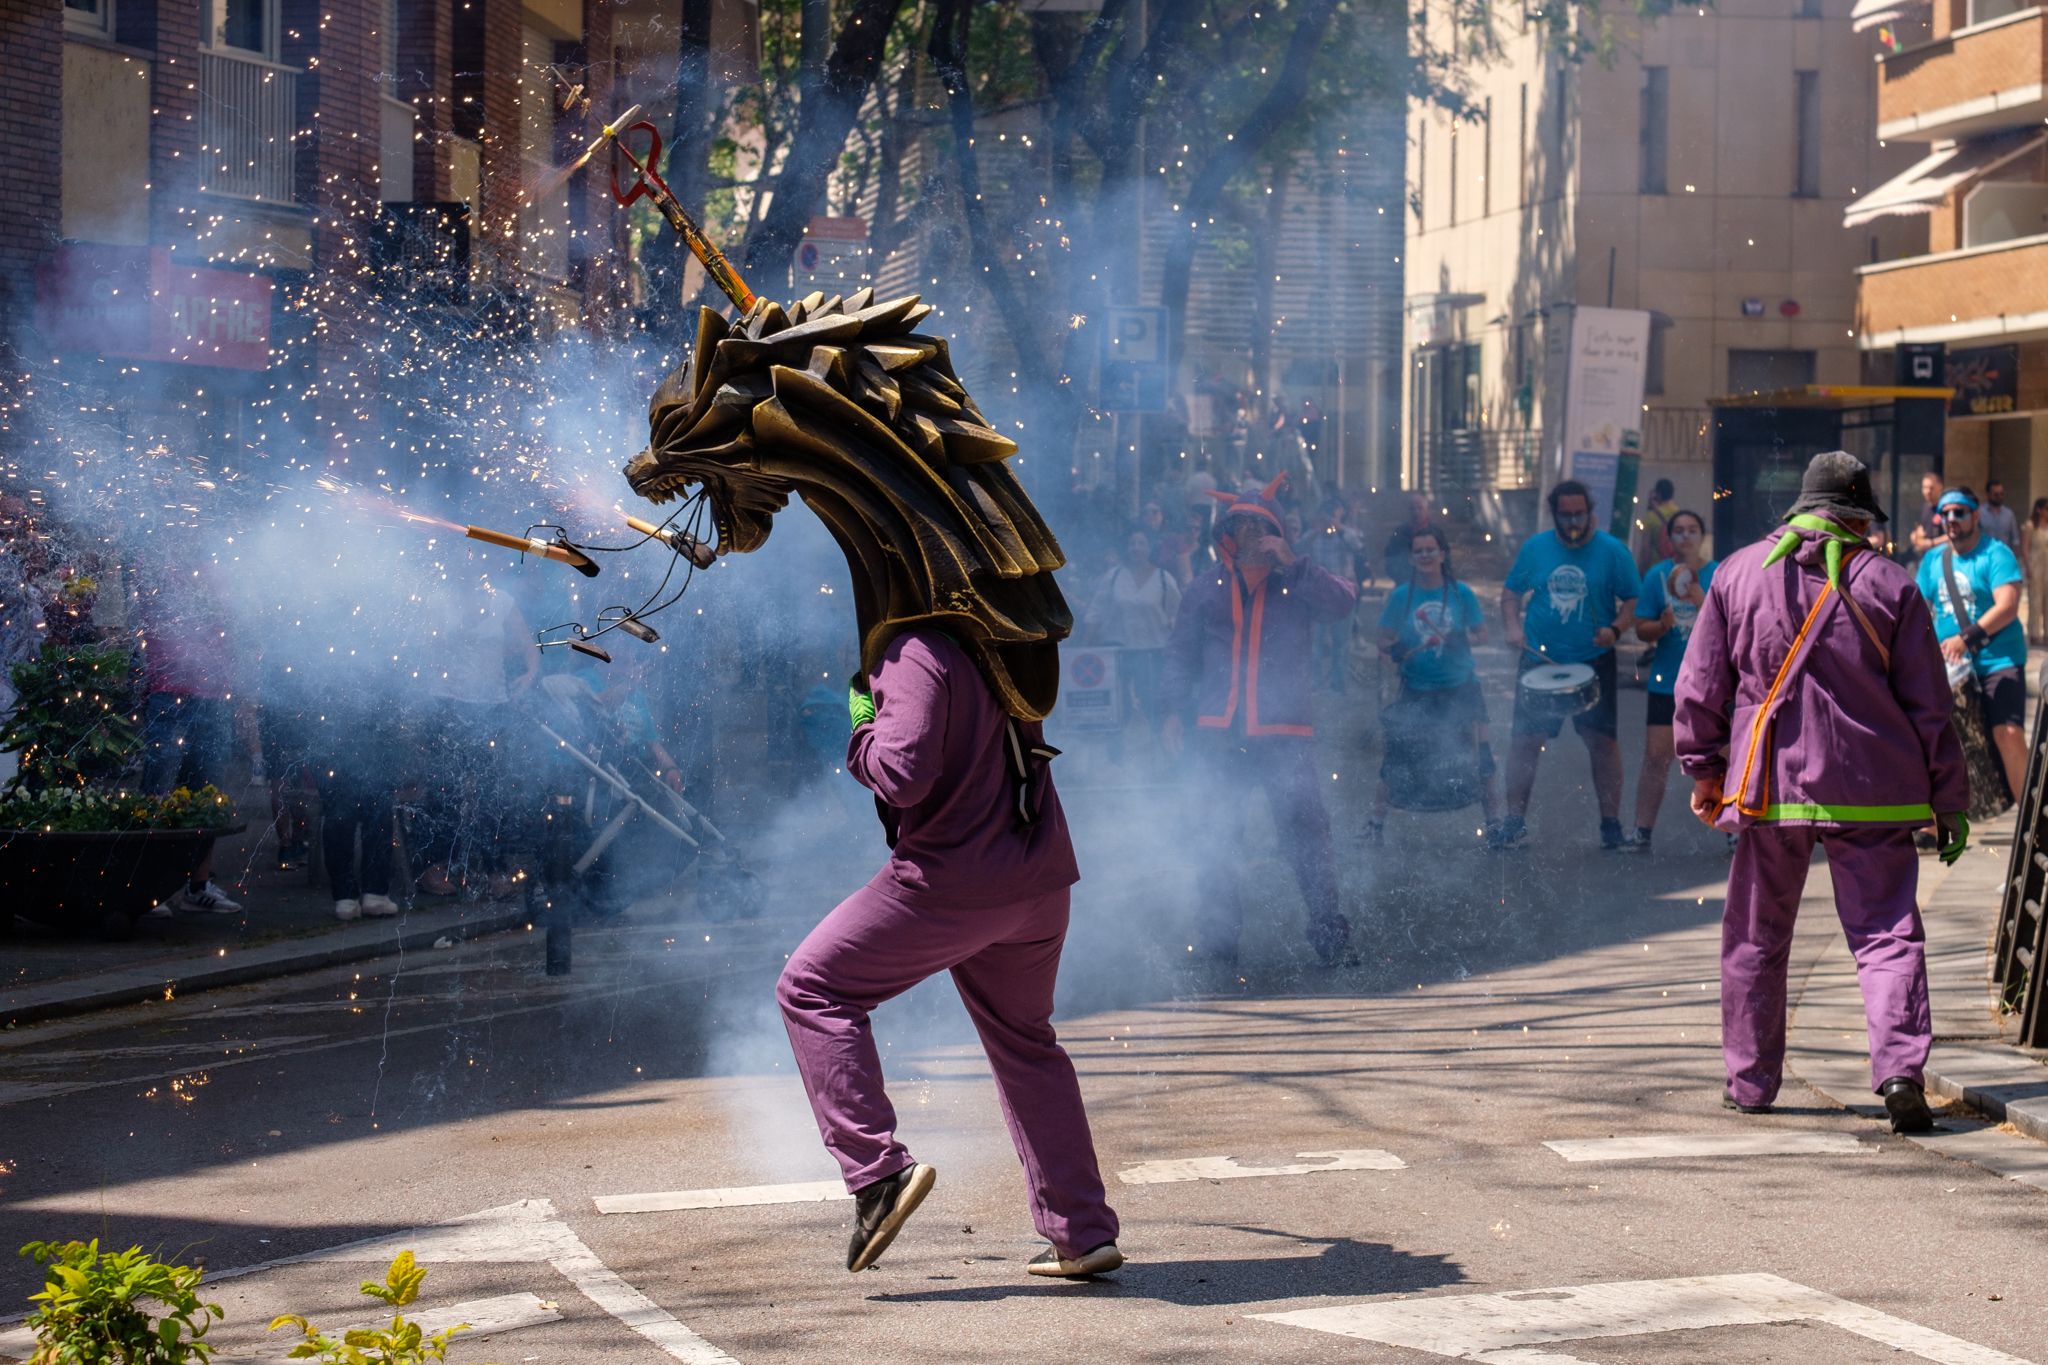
(1850, 742)
(1242, 659)
(934, 752)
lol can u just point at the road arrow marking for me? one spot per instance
(1226, 1167)
(741, 1196)
(1515, 1327)
(1651, 1146)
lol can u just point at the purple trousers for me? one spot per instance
(1003, 959)
(1875, 874)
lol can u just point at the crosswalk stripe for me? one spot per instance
(1227, 1167)
(1651, 1146)
(1518, 1326)
(741, 1196)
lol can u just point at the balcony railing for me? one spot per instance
(1979, 79)
(1475, 461)
(248, 109)
(1987, 293)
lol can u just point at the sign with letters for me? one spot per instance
(1986, 381)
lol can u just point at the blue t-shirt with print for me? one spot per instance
(1431, 623)
(1991, 564)
(1573, 592)
(1670, 650)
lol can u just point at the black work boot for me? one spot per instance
(1906, 1102)
(881, 1209)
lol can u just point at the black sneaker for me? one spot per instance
(1100, 1261)
(1612, 839)
(881, 1209)
(1506, 834)
(1905, 1102)
(1728, 1101)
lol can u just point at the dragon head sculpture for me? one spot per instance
(844, 403)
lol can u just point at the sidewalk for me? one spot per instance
(287, 926)
(1972, 1060)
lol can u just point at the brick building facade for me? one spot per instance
(280, 141)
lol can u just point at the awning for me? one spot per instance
(1928, 181)
(1871, 13)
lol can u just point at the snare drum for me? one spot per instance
(1560, 691)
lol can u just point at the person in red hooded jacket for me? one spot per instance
(1238, 673)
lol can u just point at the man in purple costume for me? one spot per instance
(977, 884)
(1804, 719)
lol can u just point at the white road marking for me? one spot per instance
(1650, 1146)
(1226, 1167)
(531, 1232)
(1513, 1329)
(739, 1196)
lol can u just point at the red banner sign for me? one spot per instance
(131, 302)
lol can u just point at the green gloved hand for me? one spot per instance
(861, 706)
(1952, 834)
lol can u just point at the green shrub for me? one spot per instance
(87, 1313)
(73, 721)
(402, 1343)
(59, 809)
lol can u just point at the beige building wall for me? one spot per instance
(1729, 227)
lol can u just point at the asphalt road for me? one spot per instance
(1360, 1150)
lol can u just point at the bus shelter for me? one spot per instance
(1763, 441)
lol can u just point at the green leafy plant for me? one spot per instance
(73, 720)
(67, 811)
(88, 1312)
(402, 1343)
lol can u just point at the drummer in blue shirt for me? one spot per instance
(1569, 597)
(1674, 589)
(1428, 627)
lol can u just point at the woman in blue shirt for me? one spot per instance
(1428, 628)
(1673, 591)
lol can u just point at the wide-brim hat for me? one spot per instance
(1837, 484)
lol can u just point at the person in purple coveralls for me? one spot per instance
(977, 883)
(1239, 664)
(1813, 707)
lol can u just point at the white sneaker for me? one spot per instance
(210, 899)
(348, 909)
(162, 910)
(378, 906)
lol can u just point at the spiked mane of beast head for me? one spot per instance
(844, 403)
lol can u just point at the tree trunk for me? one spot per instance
(666, 258)
(820, 135)
(1230, 159)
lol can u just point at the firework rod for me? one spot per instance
(702, 247)
(534, 545)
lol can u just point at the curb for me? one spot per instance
(2006, 1085)
(140, 985)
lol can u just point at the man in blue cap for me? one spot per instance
(1972, 583)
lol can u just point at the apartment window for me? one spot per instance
(1421, 174)
(1656, 128)
(1453, 192)
(1767, 371)
(244, 25)
(1486, 163)
(1522, 148)
(1806, 137)
(1809, 9)
(388, 32)
(95, 17)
